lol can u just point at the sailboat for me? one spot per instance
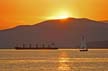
(83, 45)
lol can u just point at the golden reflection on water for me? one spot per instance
(54, 60)
(63, 62)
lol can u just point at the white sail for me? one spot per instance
(83, 45)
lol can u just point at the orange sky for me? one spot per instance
(22, 12)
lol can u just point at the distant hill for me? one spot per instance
(64, 33)
(105, 21)
(99, 44)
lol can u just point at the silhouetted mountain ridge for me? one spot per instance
(62, 32)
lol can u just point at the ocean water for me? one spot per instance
(54, 60)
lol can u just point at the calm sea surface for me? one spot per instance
(54, 60)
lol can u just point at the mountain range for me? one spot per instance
(106, 21)
(64, 33)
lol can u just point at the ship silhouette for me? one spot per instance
(43, 46)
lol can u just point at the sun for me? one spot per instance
(60, 15)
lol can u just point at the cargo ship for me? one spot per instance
(36, 47)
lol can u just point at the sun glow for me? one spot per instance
(60, 15)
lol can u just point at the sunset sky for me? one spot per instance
(28, 12)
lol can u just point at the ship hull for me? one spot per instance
(18, 48)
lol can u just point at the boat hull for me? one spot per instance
(83, 50)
